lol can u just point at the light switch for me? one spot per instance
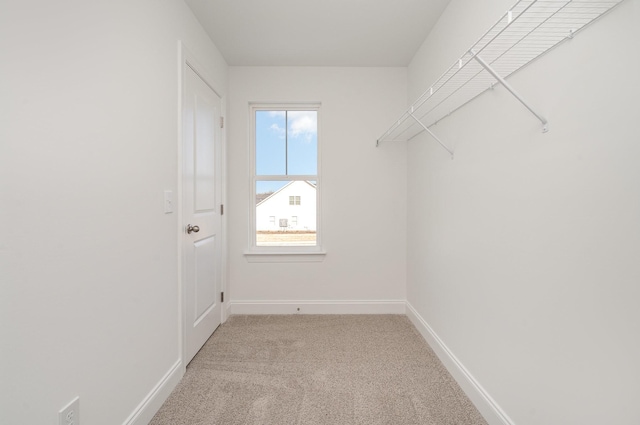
(168, 202)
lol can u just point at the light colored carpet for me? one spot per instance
(303, 369)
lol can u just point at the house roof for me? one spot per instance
(282, 188)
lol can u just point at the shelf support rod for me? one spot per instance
(545, 124)
(431, 133)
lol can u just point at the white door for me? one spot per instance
(201, 211)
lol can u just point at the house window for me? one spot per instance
(294, 200)
(285, 164)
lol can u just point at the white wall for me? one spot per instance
(523, 250)
(363, 198)
(88, 260)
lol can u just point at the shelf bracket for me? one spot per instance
(486, 66)
(431, 133)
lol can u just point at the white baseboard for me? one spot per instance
(145, 411)
(480, 398)
(227, 311)
(318, 307)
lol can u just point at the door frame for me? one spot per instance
(188, 59)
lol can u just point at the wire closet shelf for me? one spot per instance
(525, 32)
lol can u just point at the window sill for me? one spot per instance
(284, 256)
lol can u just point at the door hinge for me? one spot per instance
(221, 297)
(221, 209)
(221, 122)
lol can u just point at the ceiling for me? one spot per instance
(317, 32)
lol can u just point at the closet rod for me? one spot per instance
(529, 29)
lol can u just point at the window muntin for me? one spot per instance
(285, 170)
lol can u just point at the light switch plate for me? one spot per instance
(168, 202)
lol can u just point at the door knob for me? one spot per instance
(194, 229)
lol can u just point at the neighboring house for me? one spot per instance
(291, 208)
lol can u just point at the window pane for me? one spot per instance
(264, 189)
(270, 143)
(285, 213)
(302, 142)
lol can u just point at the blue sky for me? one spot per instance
(286, 144)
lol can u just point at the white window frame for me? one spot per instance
(255, 253)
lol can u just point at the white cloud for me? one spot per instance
(303, 123)
(278, 130)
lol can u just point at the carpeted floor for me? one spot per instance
(303, 370)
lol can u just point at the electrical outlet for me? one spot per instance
(70, 414)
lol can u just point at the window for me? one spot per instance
(294, 200)
(285, 164)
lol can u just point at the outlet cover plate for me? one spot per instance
(70, 414)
